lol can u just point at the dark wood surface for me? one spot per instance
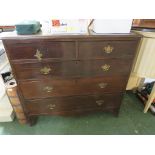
(13, 37)
(95, 49)
(48, 49)
(71, 87)
(58, 69)
(79, 68)
(118, 67)
(73, 105)
(77, 82)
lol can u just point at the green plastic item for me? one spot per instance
(28, 27)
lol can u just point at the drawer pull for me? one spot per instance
(105, 67)
(108, 49)
(48, 89)
(38, 55)
(102, 85)
(51, 106)
(99, 102)
(45, 70)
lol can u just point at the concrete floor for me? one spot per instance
(131, 121)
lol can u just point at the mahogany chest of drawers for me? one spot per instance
(71, 74)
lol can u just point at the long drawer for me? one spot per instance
(107, 67)
(106, 49)
(42, 49)
(73, 105)
(71, 87)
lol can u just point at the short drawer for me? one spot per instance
(71, 87)
(73, 105)
(106, 67)
(107, 49)
(42, 49)
(45, 70)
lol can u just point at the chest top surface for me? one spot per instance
(89, 36)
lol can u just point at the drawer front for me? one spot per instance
(46, 70)
(58, 88)
(73, 105)
(107, 67)
(105, 49)
(42, 50)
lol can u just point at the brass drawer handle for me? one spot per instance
(102, 85)
(38, 55)
(99, 102)
(48, 89)
(51, 106)
(45, 70)
(108, 49)
(105, 67)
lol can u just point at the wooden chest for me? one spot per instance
(71, 74)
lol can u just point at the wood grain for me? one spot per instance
(48, 50)
(73, 105)
(71, 87)
(95, 49)
(77, 82)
